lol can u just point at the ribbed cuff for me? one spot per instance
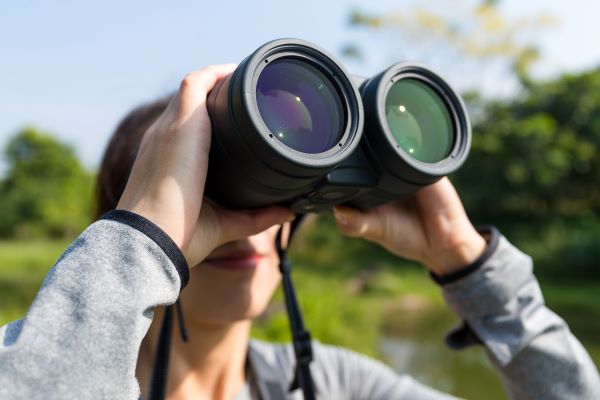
(159, 236)
(492, 236)
(501, 303)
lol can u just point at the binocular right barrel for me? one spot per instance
(292, 127)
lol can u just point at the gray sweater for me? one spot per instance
(82, 334)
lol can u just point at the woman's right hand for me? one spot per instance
(167, 180)
(431, 227)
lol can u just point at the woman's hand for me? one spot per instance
(166, 184)
(431, 227)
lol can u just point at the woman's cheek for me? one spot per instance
(268, 279)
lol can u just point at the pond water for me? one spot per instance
(465, 374)
(418, 349)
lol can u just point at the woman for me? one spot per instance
(91, 330)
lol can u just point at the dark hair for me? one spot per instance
(120, 154)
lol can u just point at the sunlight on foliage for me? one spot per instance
(477, 31)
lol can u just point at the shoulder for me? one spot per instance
(279, 357)
(337, 372)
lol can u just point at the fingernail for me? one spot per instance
(286, 214)
(342, 216)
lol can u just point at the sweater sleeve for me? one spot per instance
(502, 306)
(81, 336)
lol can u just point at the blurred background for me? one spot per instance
(529, 72)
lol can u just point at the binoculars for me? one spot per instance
(291, 126)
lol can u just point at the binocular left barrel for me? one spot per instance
(291, 126)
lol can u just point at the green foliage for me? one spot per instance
(23, 266)
(536, 155)
(457, 31)
(46, 191)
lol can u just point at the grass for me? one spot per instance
(31, 258)
(23, 266)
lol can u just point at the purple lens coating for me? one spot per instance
(300, 106)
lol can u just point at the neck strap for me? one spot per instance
(300, 336)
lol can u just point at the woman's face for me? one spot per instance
(236, 281)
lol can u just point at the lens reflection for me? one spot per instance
(419, 120)
(300, 106)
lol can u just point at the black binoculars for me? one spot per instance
(290, 126)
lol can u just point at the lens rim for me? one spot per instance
(455, 107)
(301, 50)
(333, 92)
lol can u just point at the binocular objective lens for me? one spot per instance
(300, 105)
(419, 120)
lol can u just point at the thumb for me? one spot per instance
(354, 223)
(240, 224)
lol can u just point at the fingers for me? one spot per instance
(196, 85)
(218, 225)
(240, 224)
(442, 211)
(354, 223)
(440, 196)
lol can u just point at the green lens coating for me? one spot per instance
(419, 120)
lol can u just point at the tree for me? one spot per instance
(472, 42)
(46, 191)
(537, 154)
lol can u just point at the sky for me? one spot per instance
(75, 68)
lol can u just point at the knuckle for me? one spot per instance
(188, 81)
(209, 69)
(198, 81)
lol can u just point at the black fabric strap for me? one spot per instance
(492, 236)
(158, 236)
(301, 338)
(160, 371)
